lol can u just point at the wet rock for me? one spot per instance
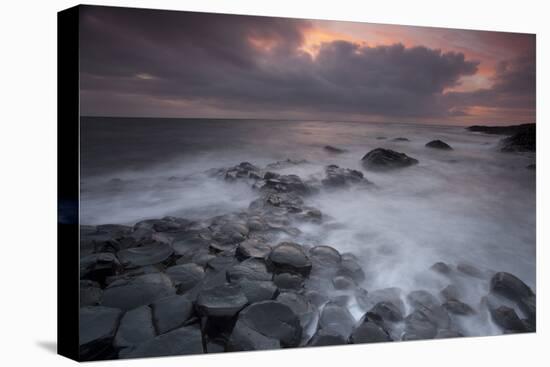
(341, 282)
(336, 319)
(326, 338)
(289, 257)
(145, 255)
(141, 290)
(243, 170)
(422, 298)
(441, 267)
(136, 327)
(325, 258)
(400, 139)
(257, 291)
(288, 281)
(250, 269)
(458, 308)
(381, 159)
(510, 286)
(334, 150)
(97, 267)
(507, 319)
(438, 144)
(185, 276)
(470, 270)
(341, 177)
(221, 301)
(222, 262)
(391, 295)
(300, 305)
(252, 248)
(171, 313)
(97, 329)
(286, 184)
(418, 325)
(523, 141)
(387, 311)
(185, 340)
(368, 331)
(316, 298)
(311, 215)
(274, 320)
(285, 164)
(90, 293)
(290, 202)
(351, 268)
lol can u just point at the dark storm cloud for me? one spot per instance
(139, 61)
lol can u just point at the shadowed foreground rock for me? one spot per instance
(381, 159)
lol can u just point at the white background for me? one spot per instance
(28, 179)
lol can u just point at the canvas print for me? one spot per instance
(252, 183)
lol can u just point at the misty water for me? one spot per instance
(472, 205)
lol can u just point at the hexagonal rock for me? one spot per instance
(145, 255)
(251, 269)
(336, 319)
(136, 326)
(387, 311)
(289, 257)
(288, 281)
(274, 320)
(171, 313)
(97, 329)
(325, 338)
(185, 276)
(141, 290)
(221, 301)
(368, 331)
(252, 248)
(185, 340)
(99, 266)
(510, 286)
(257, 291)
(325, 256)
(380, 159)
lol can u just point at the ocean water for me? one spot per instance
(471, 205)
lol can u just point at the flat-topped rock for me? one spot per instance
(90, 293)
(301, 307)
(145, 255)
(336, 319)
(289, 257)
(171, 313)
(99, 266)
(381, 159)
(325, 256)
(252, 248)
(185, 276)
(221, 301)
(388, 311)
(257, 291)
(141, 290)
(288, 281)
(274, 320)
(136, 327)
(326, 338)
(438, 144)
(97, 329)
(250, 269)
(185, 340)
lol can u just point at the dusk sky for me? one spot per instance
(137, 62)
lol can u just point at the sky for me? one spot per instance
(155, 63)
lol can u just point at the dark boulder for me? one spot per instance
(510, 286)
(341, 177)
(387, 311)
(288, 281)
(136, 327)
(97, 329)
(441, 267)
(351, 268)
(243, 170)
(336, 319)
(342, 282)
(470, 270)
(368, 331)
(185, 340)
(400, 139)
(97, 267)
(171, 313)
(221, 301)
(447, 333)
(381, 159)
(257, 291)
(438, 144)
(301, 306)
(457, 307)
(325, 256)
(289, 257)
(507, 319)
(275, 321)
(523, 141)
(90, 293)
(419, 325)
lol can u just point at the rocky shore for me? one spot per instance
(173, 286)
